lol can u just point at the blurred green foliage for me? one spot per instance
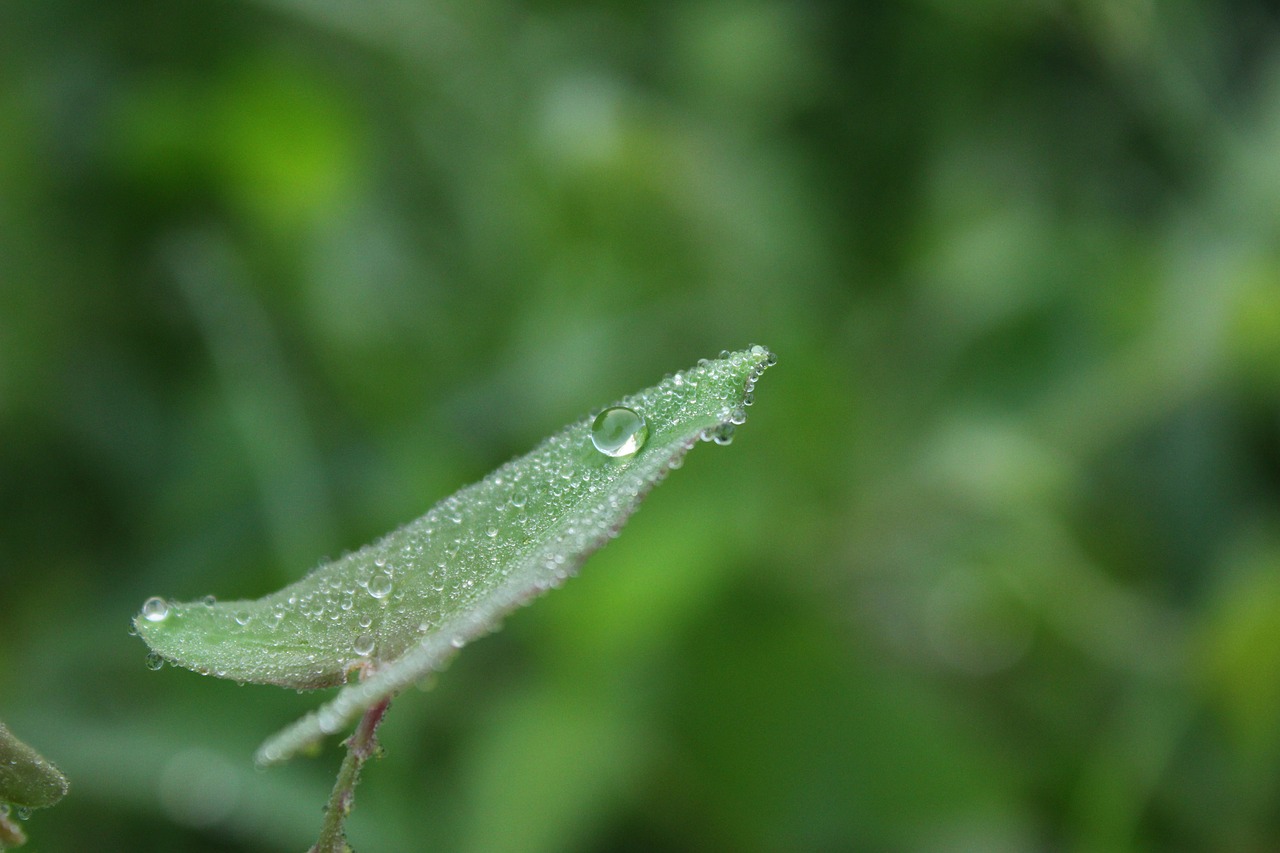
(997, 566)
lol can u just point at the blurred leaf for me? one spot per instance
(1240, 655)
(27, 779)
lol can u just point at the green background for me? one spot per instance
(994, 565)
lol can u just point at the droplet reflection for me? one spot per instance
(619, 431)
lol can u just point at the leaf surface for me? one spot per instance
(27, 779)
(396, 610)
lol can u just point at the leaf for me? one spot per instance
(396, 610)
(27, 779)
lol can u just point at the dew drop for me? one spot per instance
(363, 645)
(380, 585)
(619, 431)
(154, 661)
(155, 609)
(22, 812)
(242, 617)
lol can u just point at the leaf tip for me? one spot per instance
(27, 778)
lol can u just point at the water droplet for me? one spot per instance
(380, 585)
(722, 434)
(209, 601)
(363, 645)
(22, 812)
(242, 617)
(154, 661)
(155, 609)
(619, 431)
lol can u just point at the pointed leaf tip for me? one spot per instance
(397, 609)
(27, 779)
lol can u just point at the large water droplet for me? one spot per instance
(155, 609)
(380, 585)
(154, 661)
(619, 431)
(363, 645)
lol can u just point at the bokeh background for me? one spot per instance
(994, 565)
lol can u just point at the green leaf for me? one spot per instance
(27, 779)
(395, 611)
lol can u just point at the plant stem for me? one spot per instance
(10, 833)
(360, 746)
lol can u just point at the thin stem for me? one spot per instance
(360, 746)
(10, 833)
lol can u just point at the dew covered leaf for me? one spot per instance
(394, 611)
(27, 779)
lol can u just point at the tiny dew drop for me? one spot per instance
(363, 645)
(155, 609)
(619, 431)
